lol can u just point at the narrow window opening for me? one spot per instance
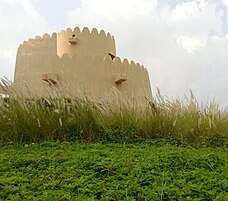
(112, 56)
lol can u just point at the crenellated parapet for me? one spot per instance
(71, 42)
(83, 61)
(80, 42)
(39, 45)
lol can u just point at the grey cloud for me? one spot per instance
(20, 22)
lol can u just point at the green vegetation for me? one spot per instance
(153, 170)
(77, 149)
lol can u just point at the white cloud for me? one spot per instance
(99, 12)
(226, 37)
(119, 7)
(225, 2)
(185, 10)
(19, 21)
(190, 44)
(194, 22)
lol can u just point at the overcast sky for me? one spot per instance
(183, 43)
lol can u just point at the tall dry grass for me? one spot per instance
(63, 118)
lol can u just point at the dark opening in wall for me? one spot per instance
(112, 56)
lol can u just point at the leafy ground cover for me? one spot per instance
(152, 170)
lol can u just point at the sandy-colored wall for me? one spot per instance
(97, 76)
(35, 56)
(91, 43)
(92, 76)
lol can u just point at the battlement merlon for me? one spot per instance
(85, 42)
(71, 42)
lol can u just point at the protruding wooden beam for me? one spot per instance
(73, 40)
(51, 78)
(119, 78)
